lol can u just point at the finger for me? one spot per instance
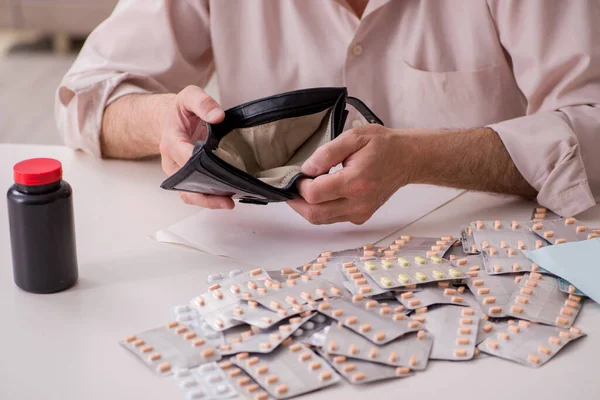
(318, 214)
(331, 154)
(168, 165)
(177, 147)
(207, 201)
(325, 187)
(195, 100)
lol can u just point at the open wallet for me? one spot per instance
(256, 153)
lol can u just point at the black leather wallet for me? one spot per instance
(256, 153)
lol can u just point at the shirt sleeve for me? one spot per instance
(554, 47)
(143, 47)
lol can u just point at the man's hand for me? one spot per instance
(181, 127)
(378, 161)
(375, 167)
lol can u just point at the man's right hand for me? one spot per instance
(181, 127)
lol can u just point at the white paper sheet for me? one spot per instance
(274, 236)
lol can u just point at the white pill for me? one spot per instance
(234, 272)
(189, 383)
(298, 332)
(197, 394)
(183, 318)
(182, 373)
(214, 277)
(309, 325)
(221, 389)
(320, 318)
(215, 378)
(182, 309)
(208, 367)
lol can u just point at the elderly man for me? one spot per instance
(498, 95)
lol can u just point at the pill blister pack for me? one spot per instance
(252, 313)
(542, 213)
(455, 332)
(411, 351)
(566, 287)
(244, 384)
(506, 261)
(189, 316)
(369, 319)
(407, 245)
(470, 264)
(312, 328)
(505, 234)
(409, 271)
(436, 293)
(204, 382)
(490, 327)
(289, 371)
(359, 283)
(291, 293)
(539, 299)
(493, 293)
(467, 240)
(172, 346)
(236, 276)
(254, 340)
(565, 230)
(358, 371)
(529, 343)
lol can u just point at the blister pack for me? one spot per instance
(189, 316)
(471, 264)
(490, 327)
(456, 251)
(367, 318)
(358, 371)
(566, 287)
(538, 299)
(411, 246)
(493, 293)
(236, 276)
(455, 332)
(506, 261)
(291, 294)
(289, 371)
(565, 230)
(243, 383)
(212, 305)
(252, 313)
(252, 340)
(402, 272)
(528, 343)
(359, 283)
(411, 351)
(504, 235)
(174, 346)
(205, 382)
(542, 213)
(311, 328)
(436, 293)
(467, 240)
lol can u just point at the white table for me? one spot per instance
(64, 345)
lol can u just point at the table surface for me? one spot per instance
(65, 345)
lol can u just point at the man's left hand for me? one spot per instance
(375, 167)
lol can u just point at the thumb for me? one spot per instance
(331, 154)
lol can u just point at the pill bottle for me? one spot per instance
(42, 229)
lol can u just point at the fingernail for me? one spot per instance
(214, 114)
(224, 206)
(309, 168)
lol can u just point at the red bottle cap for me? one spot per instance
(37, 171)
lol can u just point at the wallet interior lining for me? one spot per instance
(274, 152)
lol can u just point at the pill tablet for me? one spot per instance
(495, 310)
(413, 361)
(462, 261)
(154, 356)
(564, 335)
(460, 352)
(454, 272)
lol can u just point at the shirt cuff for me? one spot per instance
(545, 150)
(80, 104)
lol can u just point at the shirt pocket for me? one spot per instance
(457, 99)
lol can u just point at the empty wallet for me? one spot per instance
(256, 153)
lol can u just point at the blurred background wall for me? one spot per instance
(39, 40)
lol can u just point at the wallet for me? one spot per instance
(255, 154)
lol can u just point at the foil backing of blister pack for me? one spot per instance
(358, 371)
(538, 298)
(411, 351)
(565, 230)
(528, 343)
(289, 371)
(507, 261)
(455, 331)
(204, 382)
(367, 318)
(169, 347)
(404, 272)
(252, 340)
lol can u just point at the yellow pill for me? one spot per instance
(436, 260)
(421, 276)
(386, 264)
(420, 260)
(437, 274)
(385, 281)
(403, 278)
(454, 272)
(403, 262)
(369, 265)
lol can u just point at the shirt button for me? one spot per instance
(357, 123)
(357, 50)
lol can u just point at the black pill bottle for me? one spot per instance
(42, 228)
